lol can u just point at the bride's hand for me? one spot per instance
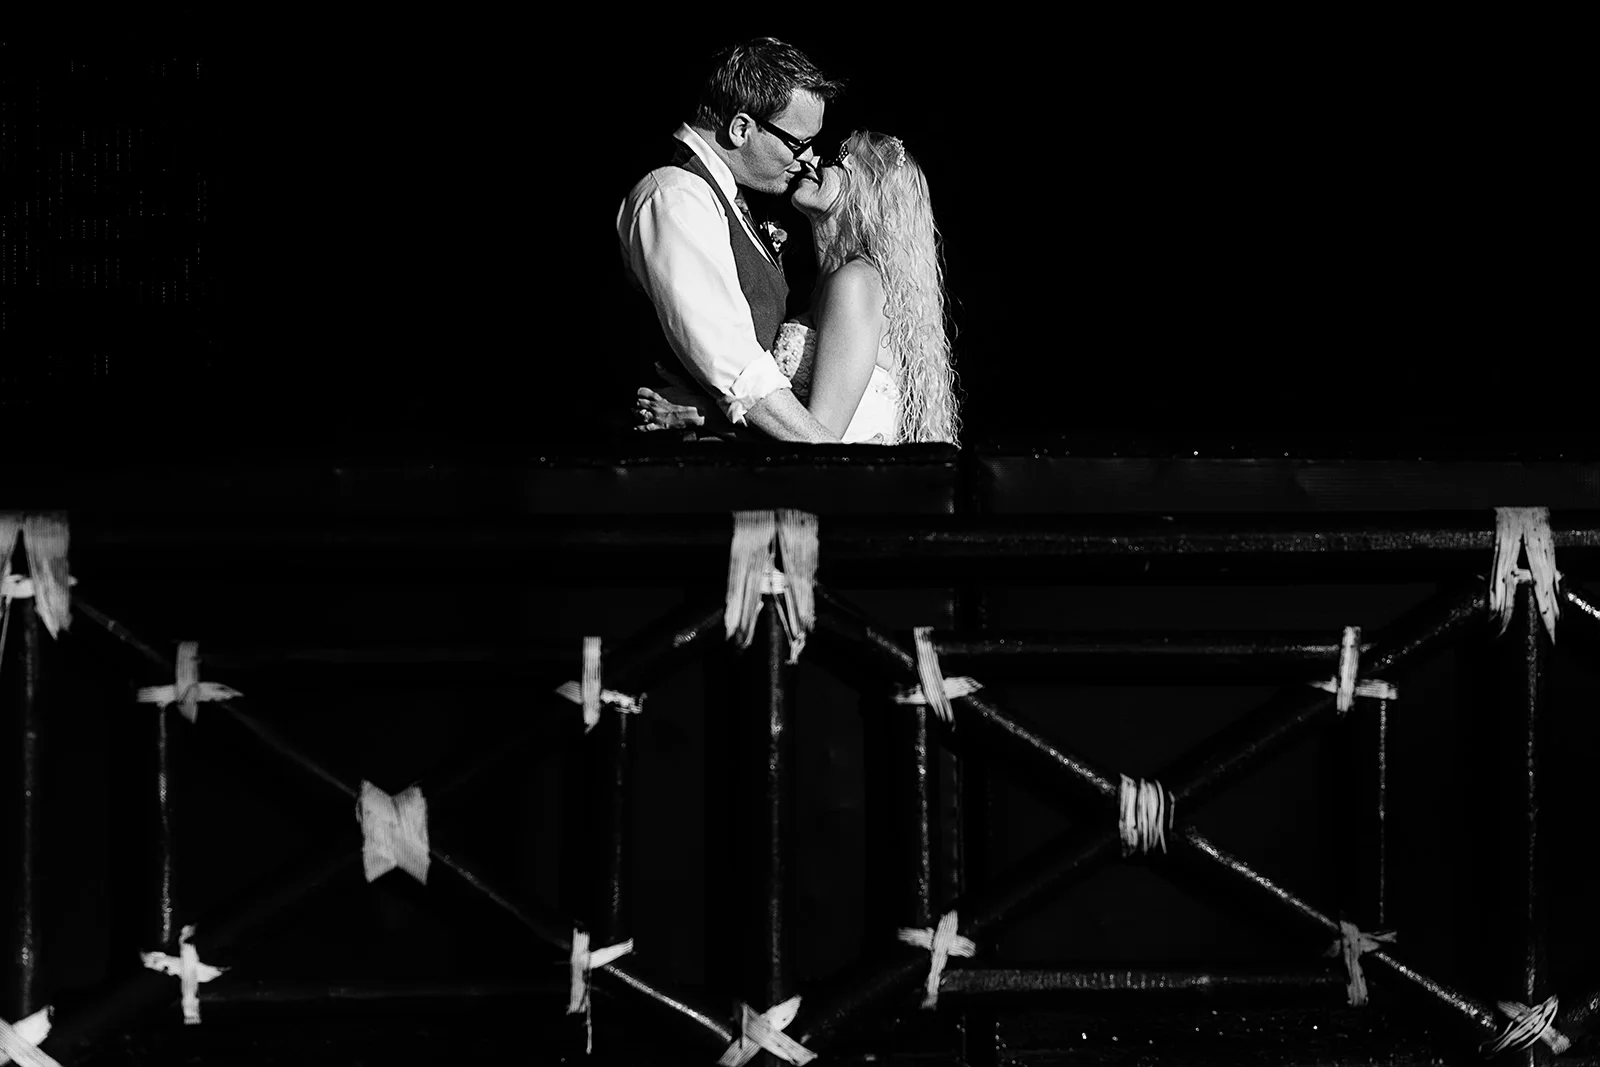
(656, 412)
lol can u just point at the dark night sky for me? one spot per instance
(1147, 221)
(409, 225)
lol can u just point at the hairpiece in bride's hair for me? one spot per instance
(900, 147)
(843, 159)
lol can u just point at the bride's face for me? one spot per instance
(817, 191)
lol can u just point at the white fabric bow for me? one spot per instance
(941, 942)
(1515, 530)
(1351, 944)
(954, 689)
(188, 969)
(933, 688)
(626, 703)
(19, 1042)
(582, 962)
(1144, 811)
(588, 693)
(765, 1031)
(394, 831)
(758, 538)
(1346, 686)
(1529, 1025)
(187, 689)
(46, 538)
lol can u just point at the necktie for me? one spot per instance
(744, 209)
(738, 198)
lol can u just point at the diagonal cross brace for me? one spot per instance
(1200, 774)
(679, 637)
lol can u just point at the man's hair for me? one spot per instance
(758, 77)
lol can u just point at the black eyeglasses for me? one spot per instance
(793, 143)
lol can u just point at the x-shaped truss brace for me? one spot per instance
(845, 640)
(655, 652)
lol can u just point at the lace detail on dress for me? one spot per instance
(795, 350)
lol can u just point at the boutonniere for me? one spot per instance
(775, 235)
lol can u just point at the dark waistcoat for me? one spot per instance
(765, 289)
(763, 285)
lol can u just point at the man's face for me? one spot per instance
(768, 155)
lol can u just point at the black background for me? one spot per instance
(400, 229)
(1197, 221)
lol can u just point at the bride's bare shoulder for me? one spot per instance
(855, 286)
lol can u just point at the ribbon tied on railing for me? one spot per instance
(942, 942)
(581, 962)
(625, 703)
(759, 537)
(16, 587)
(764, 1030)
(589, 694)
(933, 688)
(46, 538)
(394, 831)
(189, 971)
(1144, 815)
(1351, 944)
(1345, 685)
(1528, 1027)
(589, 687)
(187, 690)
(20, 1041)
(21, 587)
(1519, 530)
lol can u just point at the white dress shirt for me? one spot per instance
(674, 236)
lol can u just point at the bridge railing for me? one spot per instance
(770, 572)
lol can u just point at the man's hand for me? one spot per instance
(656, 412)
(779, 415)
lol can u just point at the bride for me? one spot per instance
(871, 360)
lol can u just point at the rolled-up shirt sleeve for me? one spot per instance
(675, 238)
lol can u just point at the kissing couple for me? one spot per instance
(869, 361)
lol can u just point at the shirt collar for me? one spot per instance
(719, 170)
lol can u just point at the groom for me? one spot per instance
(691, 246)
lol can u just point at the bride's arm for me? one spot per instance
(849, 324)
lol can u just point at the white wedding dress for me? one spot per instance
(878, 414)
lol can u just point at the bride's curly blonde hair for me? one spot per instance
(885, 216)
